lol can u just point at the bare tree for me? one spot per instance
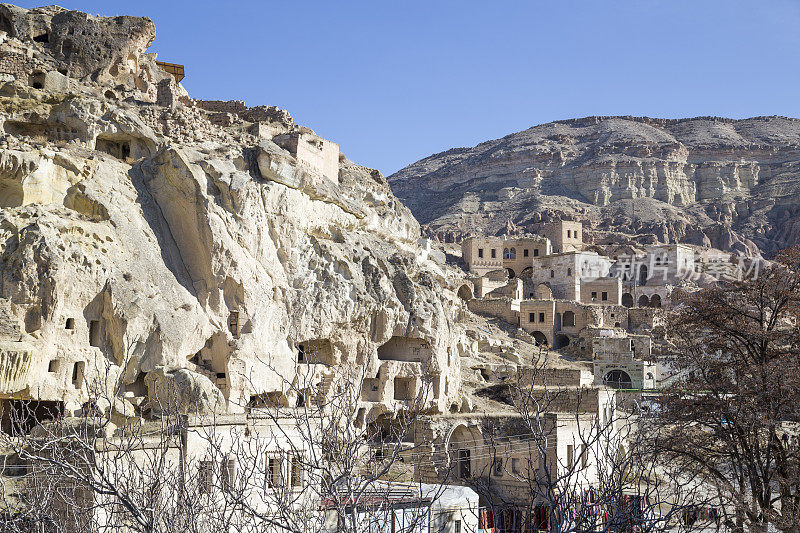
(314, 447)
(566, 460)
(732, 417)
(307, 460)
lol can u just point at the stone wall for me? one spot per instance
(313, 152)
(502, 308)
(222, 106)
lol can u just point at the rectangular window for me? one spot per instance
(229, 473)
(498, 467)
(464, 463)
(205, 477)
(53, 366)
(77, 374)
(233, 323)
(480, 252)
(604, 296)
(457, 526)
(535, 252)
(541, 317)
(569, 272)
(569, 234)
(515, 465)
(494, 253)
(297, 473)
(570, 455)
(552, 273)
(531, 317)
(584, 457)
(525, 253)
(94, 333)
(594, 295)
(274, 480)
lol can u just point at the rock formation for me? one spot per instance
(730, 184)
(151, 239)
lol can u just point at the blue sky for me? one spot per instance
(393, 82)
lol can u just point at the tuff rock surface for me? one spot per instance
(149, 241)
(730, 184)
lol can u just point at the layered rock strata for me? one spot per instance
(730, 184)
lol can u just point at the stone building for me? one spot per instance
(499, 457)
(482, 254)
(485, 254)
(566, 236)
(623, 360)
(564, 272)
(656, 265)
(518, 253)
(312, 151)
(604, 291)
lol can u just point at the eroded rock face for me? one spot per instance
(731, 184)
(144, 245)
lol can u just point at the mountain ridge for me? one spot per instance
(722, 182)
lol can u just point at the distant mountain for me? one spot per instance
(731, 184)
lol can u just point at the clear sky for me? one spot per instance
(394, 81)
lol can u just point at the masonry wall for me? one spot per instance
(313, 152)
(667, 263)
(484, 285)
(538, 315)
(518, 254)
(502, 308)
(604, 291)
(566, 236)
(643, 374)
(559, 273)
(564, 272)
(482, 254)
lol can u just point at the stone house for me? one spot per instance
(566, 235)
(623, 360)
(499, 457)
(603, 291)
(486, 254)
(658, 265)
(556, 322)
(564, 272)
(518, 253)
(311, 151)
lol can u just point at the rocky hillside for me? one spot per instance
(731, 184)
(147, 239)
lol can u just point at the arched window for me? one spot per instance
(627, 300)
(513, 253)
(618, 379)
(540, 338)
(505, 253)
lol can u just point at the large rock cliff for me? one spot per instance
(146, 239)
(731, 184)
